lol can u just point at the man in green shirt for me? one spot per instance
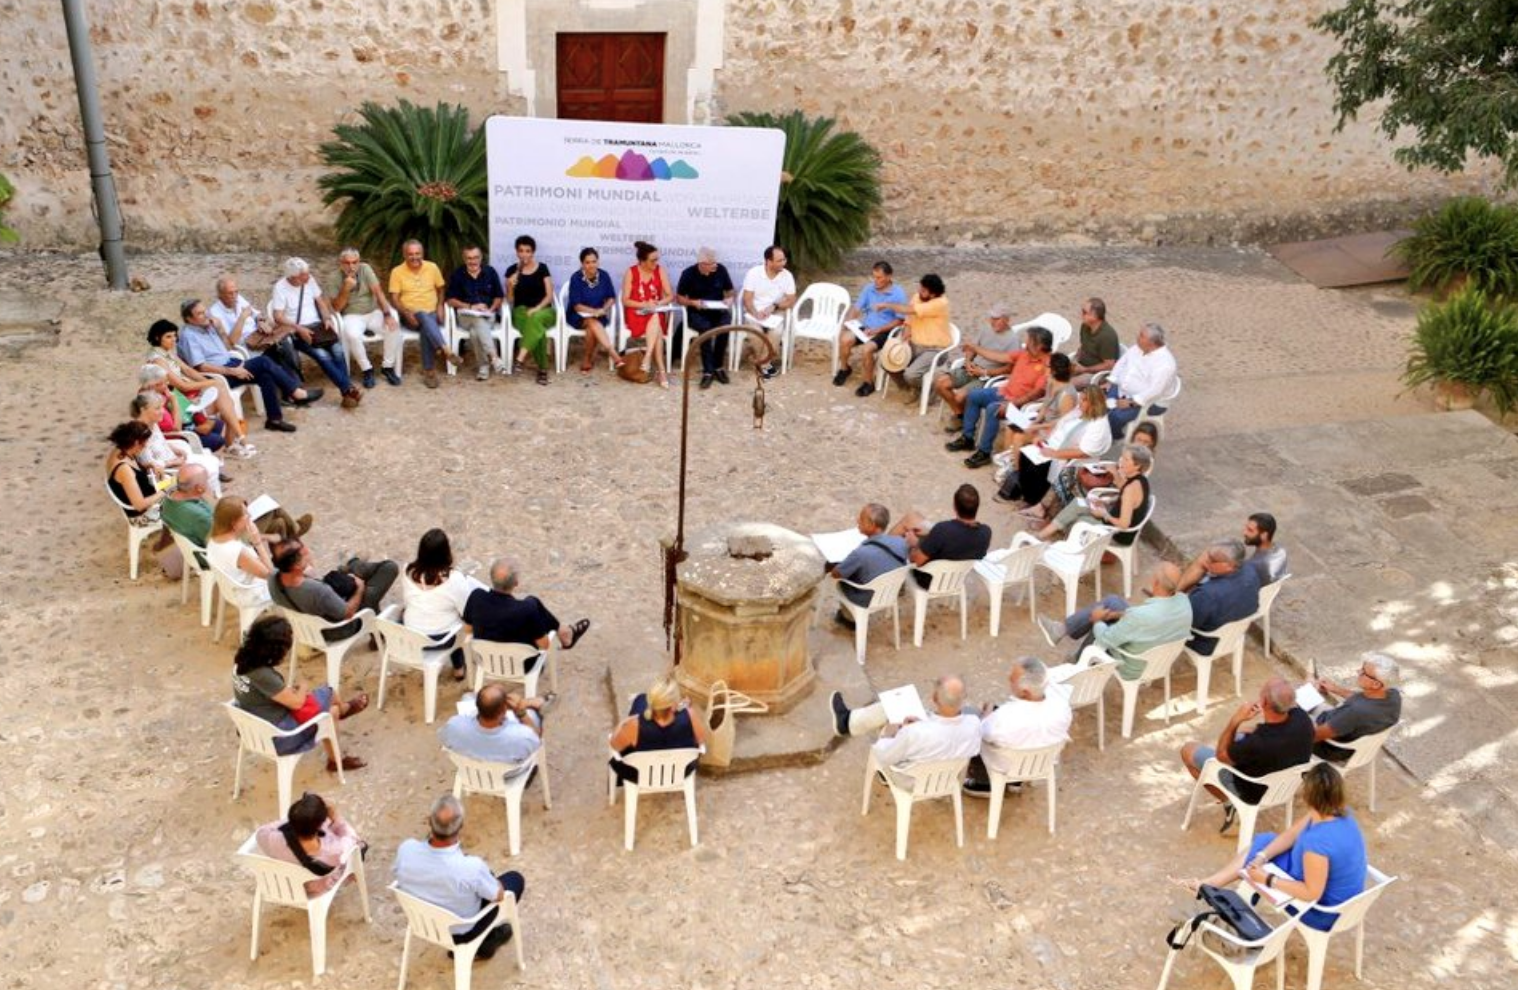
(1129, 631)
(1099, 346)
(187, 511)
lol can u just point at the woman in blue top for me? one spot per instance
(589, 304)
(1322, 855)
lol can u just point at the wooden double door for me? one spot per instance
(611, 77)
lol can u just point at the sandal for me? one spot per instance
(349, 763)
(542, 376)
(459, 674)
(585, 368)
(358, 704)
(577, 632)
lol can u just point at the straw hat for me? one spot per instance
(896, 355)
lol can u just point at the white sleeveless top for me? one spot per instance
(250, 590)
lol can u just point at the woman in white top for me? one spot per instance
(433, 594)
(1081, 433)
(165, 456)
(239, 551)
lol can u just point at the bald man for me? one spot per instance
(950, 732)
(506, 727)
(496, 615)
(1129, 631)
(1282, 738)
(187, 510)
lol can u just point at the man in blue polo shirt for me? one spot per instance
(875, 323)
(1228, 593)
(474, 288)
(206, 346)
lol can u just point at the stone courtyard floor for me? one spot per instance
(115, 762)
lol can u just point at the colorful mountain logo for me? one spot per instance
(631, 167)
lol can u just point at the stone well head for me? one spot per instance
(744, 599)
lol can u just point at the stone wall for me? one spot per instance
(1151, 119)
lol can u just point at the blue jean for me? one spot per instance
(333, 360)
(273, 380)
(306, 740)
(432, 337)
(987, 404)
(1078, 624)
(1119, 419)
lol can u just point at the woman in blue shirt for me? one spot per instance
(588, 307)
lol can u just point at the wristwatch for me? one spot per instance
(1270, 880)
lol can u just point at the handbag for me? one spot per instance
(322, 334)
(721, 725)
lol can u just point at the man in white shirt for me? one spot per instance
(1036, 715)
(506, 728)
(246, 326)
(1141, 376)
(768, 291)
(950, 732)
(297, 303)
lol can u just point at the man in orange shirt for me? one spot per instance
(983, 406)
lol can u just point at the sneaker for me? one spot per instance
(391, 378)
(312, 395)
(843, 375)
(979, 459)
(768, 371)
(279, 426)
(976, 788)
(482, 373)
(722, 378)
(840, 714)
(959, 443)
(1053, 631)
(242, 450)
(868, 388)
(706, 381)
(369, 378)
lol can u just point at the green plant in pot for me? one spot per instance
(1466, 346)
(1470, 241)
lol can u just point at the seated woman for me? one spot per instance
(164, 456)
(1081, 433)
(529, 292)
(588, 306)
(240, 551)
(1130, 506)
(258, 687)
(312, 835)
(131, 482)
(660, 719)
(1080, 479)
(434, 594)
(1059, 398)
(645, 287)
(163, 337)
(1322, 855)
(176, 418)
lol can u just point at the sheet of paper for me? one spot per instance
(772, 322)
(466, 705)
(1018, 418)
(261, 506)
(1309, 697)
(836, 546)
(1035, 454)
(1271, 894)
(902, 703)
(477, 312)
(714, 304)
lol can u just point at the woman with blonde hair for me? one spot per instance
(1081, 433)
(661, 718)
(240, 551)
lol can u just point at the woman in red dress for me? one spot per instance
(646, 287)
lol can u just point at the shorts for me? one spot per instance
(959, 377)
(306, 740)
(1226, 777)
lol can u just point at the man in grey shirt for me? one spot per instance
(291, 587)
(880, 553)
(1268, 560)
(1375, 707)
(987, 353)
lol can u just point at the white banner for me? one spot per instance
(574, 184)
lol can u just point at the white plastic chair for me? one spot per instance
(1059, 328)
(257, 736)
(1363, 752)
(1268, 595)
(947, 581)
(1158, 419)
(407, 337)
(235, 592)
(886, 592)
(1023, 766)
(1280, 790)
(1127, 555)
(502, 780)
(825, 305)
(1004, 568)
(365, 338)
(1157, 663)
(1230, 642)
(883, 380)
(138, 530)
(195, 563)
(282, 883)
(659, 771)
(1089, 687)
(564, 333)
(1241, 959)
(404, 647)
(434, 924)
(455, 334)
(1351, 915)
(1070, 565)
(928, 781)
(508, 662)
(308, 635)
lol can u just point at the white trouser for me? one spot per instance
(870, 718)
(353, 328)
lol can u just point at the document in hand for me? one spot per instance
(836, 546)
(857, 329)
(772, 322)
(1309, 697)
(902, 703)
(1276, 897)
(713, 304)
(261, 506)
(1035, 454)
(1018, 418)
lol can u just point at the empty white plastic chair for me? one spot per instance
(503, 780)
(257, 736)
(455, 334)
(309, 635)
(660, 771)
(1022, 766)
(139, 528)
(1280, 789)
(1059, 328)
(1078, 554)
(1157, 663)
(886, 592)
(282, 883)
(1351, 918)
(434, 924)
(1268, 595)
(928, 781)
(236, 592)
(947, 579)
(195, 563)
(1089, 687)
(1011, 566)
(1364, 752)
(402, 647)
(1230, 643)
(509, 662)
(817, 315)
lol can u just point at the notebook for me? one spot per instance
(901, 704)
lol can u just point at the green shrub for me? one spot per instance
(409, 171)
(1468, 340)
(1471, 238)
(7, 193)
(830, 191)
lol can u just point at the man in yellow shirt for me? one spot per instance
(927, 329)
(416, 288)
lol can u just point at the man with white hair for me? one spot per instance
(1036, 715)
(1283, 738)
(950, 732)
(1143, 374)
(1375, 707)
(244, 325)
(297, 303)
(437, 871)
(701, 286)
(1229, 592)
(362, 306)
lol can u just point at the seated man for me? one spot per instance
(495, 615)
(707, 281)
(1143, 374)
(187, 508)
(768, 292)
(880, 553)
(1124, 631)
(950, 732)
(1036, 715)
(1375, 707)
(416, 290)
(358, 584)
(876, 321)
(362, 307)
(1099, 347)
(961, 538)
(507, 728)
(1229, 592)
(983, 406)
(987, 354)
(205, 345)
(438, 872)
(297, 305)
(475, 287)
(243, 324)
(1282, 739)
(927, 329)
(1267, 559)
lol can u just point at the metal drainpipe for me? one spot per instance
(103, 186)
